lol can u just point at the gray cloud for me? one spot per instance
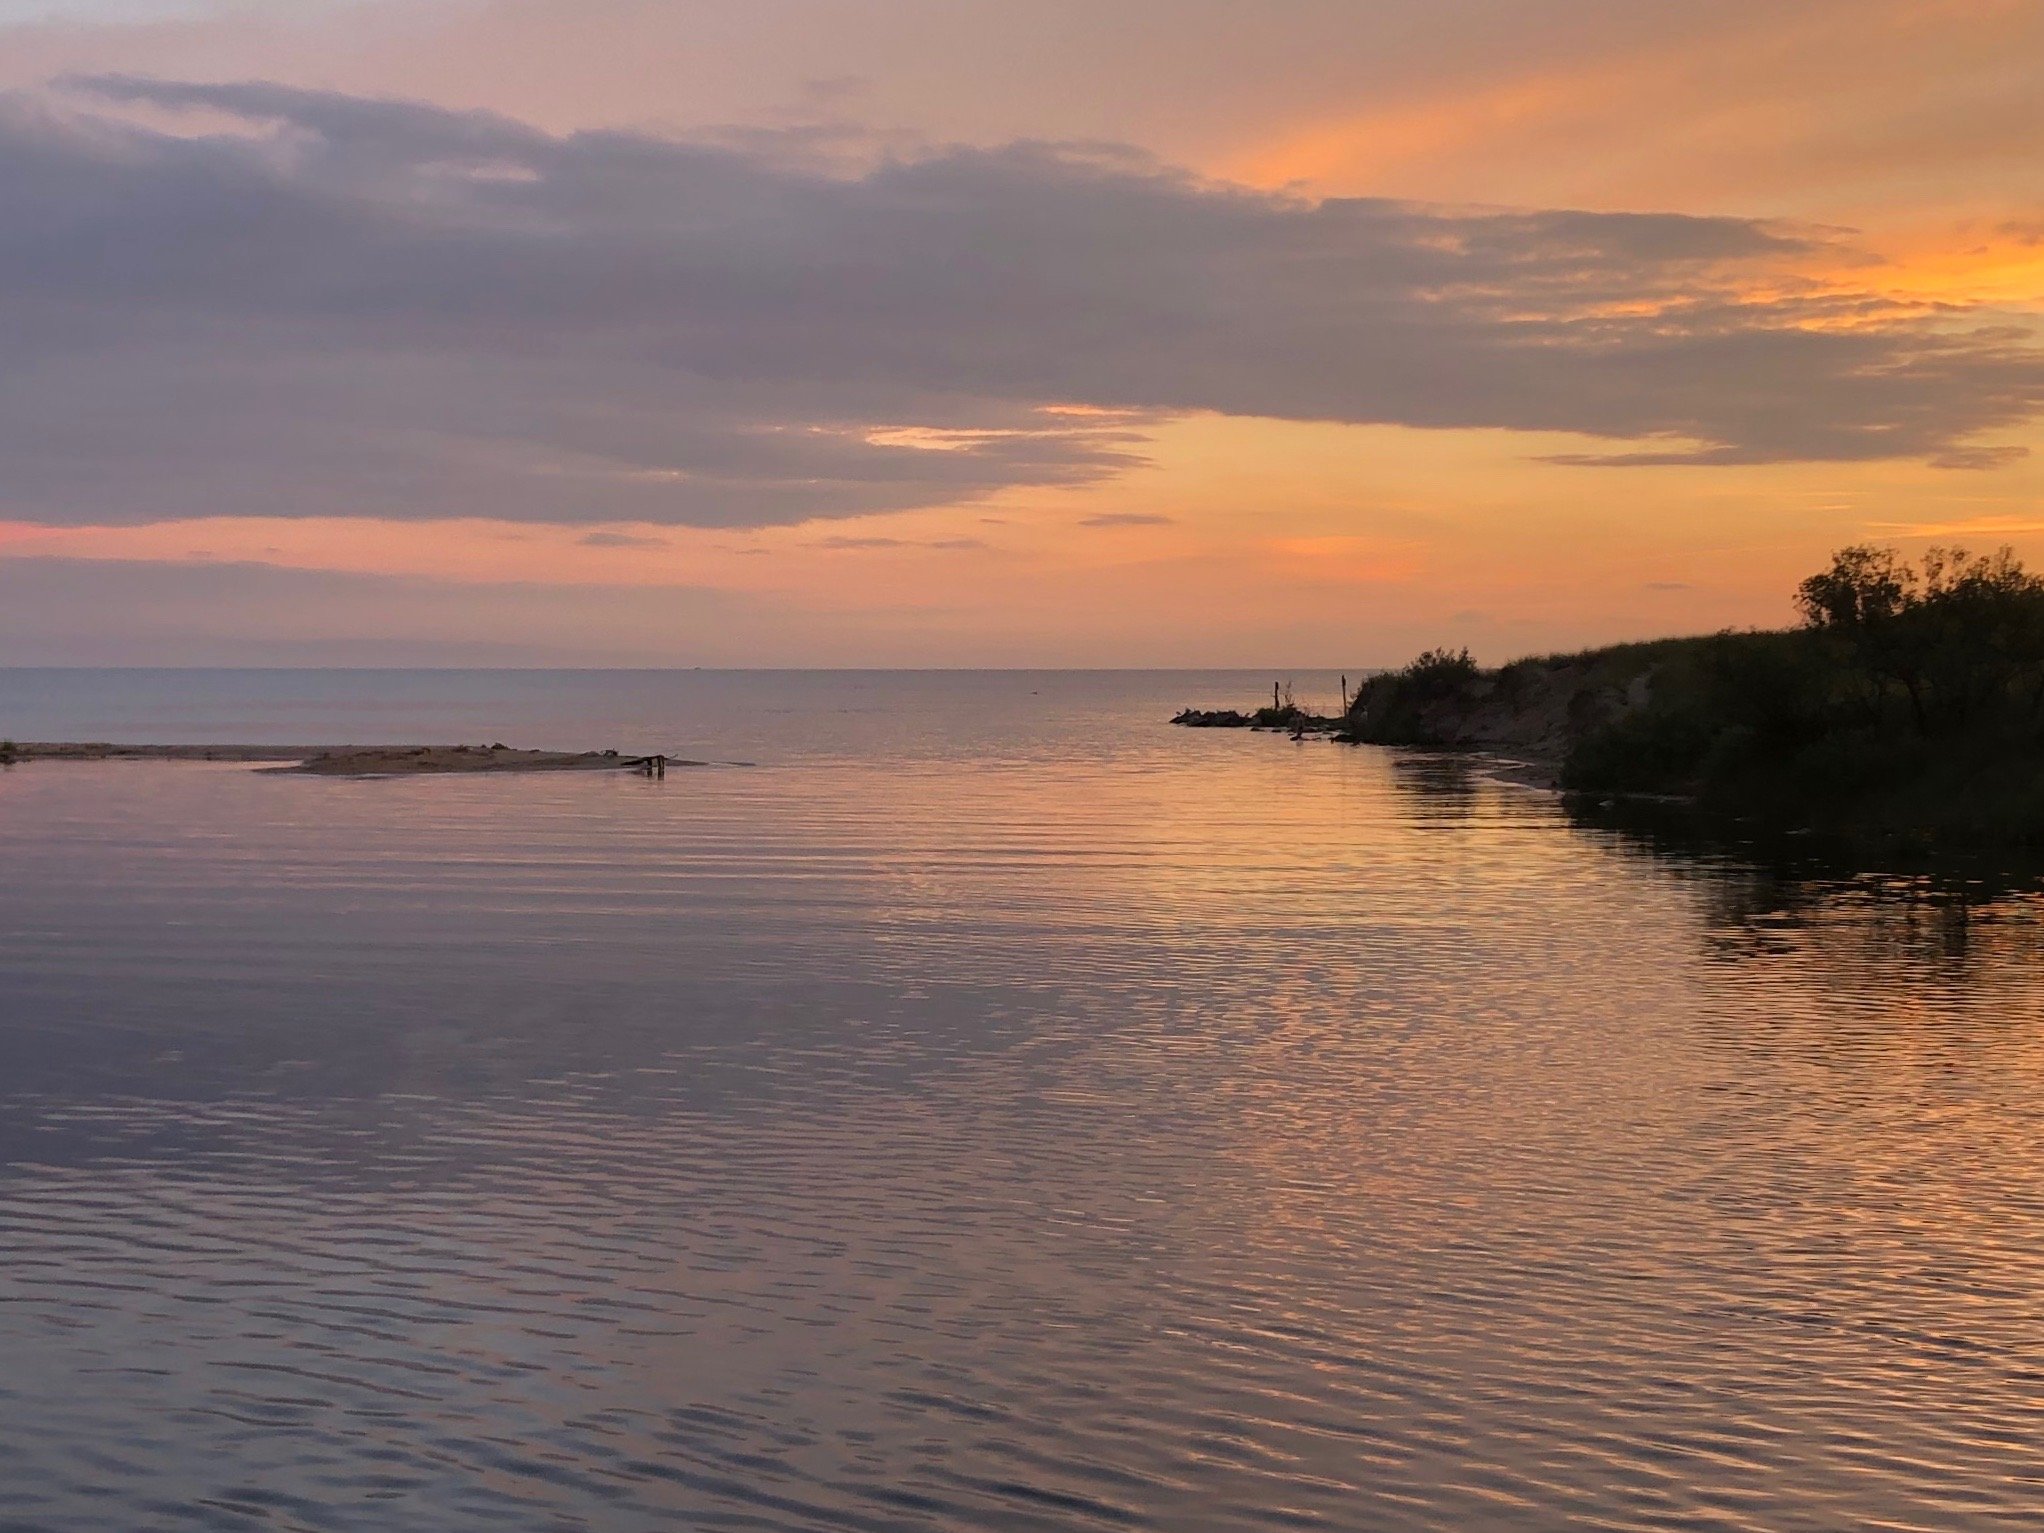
(1126, 519)
(619, 540)
(348, 306)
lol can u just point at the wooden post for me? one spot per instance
(1273, 697)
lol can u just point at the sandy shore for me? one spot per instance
(350, 760)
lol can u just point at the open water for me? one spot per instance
(990, 1108)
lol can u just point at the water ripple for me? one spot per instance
(1202, 1135)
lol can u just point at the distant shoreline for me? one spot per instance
(349, 760)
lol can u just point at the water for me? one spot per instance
(991, 1109)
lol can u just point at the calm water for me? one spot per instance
(991, 1109)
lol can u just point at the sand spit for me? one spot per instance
(417, 760)
(353, 760)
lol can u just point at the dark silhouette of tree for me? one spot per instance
(1960, 637)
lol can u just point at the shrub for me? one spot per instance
(1394, 708)
(1652, 750)
(1438, 673)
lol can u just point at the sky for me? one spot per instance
(960, 333)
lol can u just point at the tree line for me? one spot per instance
(1957, 641)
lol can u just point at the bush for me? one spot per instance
(1392, 709)
(1653, 750)
(1438, 673)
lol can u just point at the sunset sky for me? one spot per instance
(941, 332)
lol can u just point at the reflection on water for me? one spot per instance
(1451, 785)
(1966, 929)
(1119, 1127)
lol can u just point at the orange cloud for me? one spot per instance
(1847, 108)
(2002, 265)
(2004, 526)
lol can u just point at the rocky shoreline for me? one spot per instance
(1509, 760)
(1285, 720)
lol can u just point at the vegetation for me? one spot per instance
(1909, 702)
(1282, 712)
(1400, 705)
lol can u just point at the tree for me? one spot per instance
(1962, 637)
(1864, 601)
(1864, 588)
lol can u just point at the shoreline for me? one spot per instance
(1526, 764)
(349, 760)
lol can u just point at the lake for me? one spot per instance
(985, 1107)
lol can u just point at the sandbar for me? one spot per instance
(350, 760)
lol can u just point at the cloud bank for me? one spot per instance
(316, 304)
